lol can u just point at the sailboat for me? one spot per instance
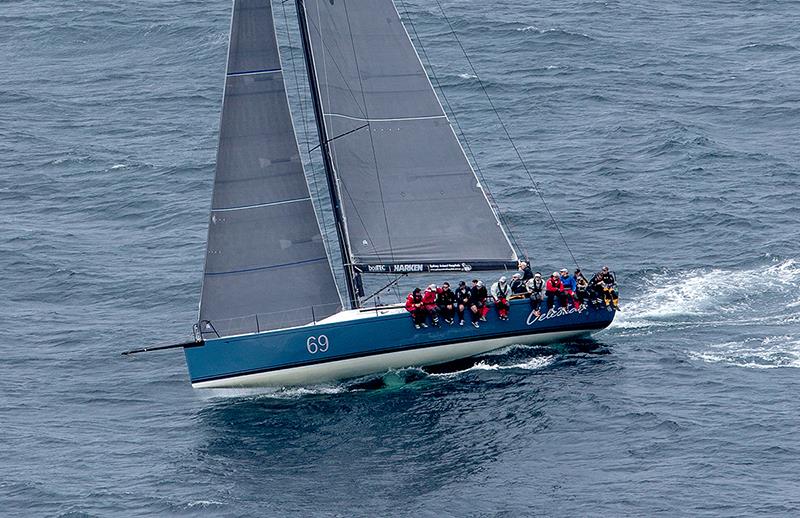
(404, 199)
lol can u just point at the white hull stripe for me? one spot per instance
(354, 367)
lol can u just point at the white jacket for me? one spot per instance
(501, 293)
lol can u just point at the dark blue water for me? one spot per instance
(665, 137)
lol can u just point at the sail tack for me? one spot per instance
(408, 191)
(266, 265)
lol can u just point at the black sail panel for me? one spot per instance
(408, 191)
(266, 266)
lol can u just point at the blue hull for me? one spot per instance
(328, 351)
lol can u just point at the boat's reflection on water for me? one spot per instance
(399, 434)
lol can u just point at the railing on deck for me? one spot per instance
(259, 322)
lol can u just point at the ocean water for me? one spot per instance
(664, 136)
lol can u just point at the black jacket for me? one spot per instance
(463, 295)
(445, 297)
(478, 295)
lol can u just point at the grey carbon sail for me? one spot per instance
(408, 191)
(266, 266)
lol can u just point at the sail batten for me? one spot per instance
(266, 265)
(409, 193)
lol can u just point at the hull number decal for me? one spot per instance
(316, 344)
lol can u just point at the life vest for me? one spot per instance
(536, 286)
(502, 290)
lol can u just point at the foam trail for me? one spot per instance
(698, 292)
(755, 353)
(513, 347)
(270, 392)
(536, 363)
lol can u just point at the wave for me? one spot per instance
(769, 352)
(768, 47)
(556, 33)
(756, 304)
(710, 291)
(535, 363)
(271, 392)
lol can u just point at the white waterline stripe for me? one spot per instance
(385, 120)
(243, 207)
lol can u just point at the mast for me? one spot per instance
(262, 228)
(333, 189)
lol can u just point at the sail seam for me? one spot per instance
(371, 140)
(424, 117)
(494, 212)
(269, 267)
(270, 204)
(254, 72)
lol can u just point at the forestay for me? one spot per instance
(408, 191)
(266, 265)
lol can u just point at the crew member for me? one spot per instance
(463, 294)
(525, 271)
(429, 301)
(596, 289)
(415, 306)
(610, 293)
(582, 287)
(536, 288)
(569, 286)
(518, 286)
(477, 301)
(555, 290)
(445, 303)
(500, 292)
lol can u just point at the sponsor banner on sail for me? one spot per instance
(444, 266)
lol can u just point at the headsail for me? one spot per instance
(266, 265)
(408, 191)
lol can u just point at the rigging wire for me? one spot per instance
(369, 129)
(305, 126)
(508, 135)
(478, 170)
(351, 91)
(391, 283)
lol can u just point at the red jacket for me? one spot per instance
(411, 300)
(554, 285)
(429, 299)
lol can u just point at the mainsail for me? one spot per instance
(408, 192)
(266, 265)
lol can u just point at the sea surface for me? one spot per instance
(665, 138)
